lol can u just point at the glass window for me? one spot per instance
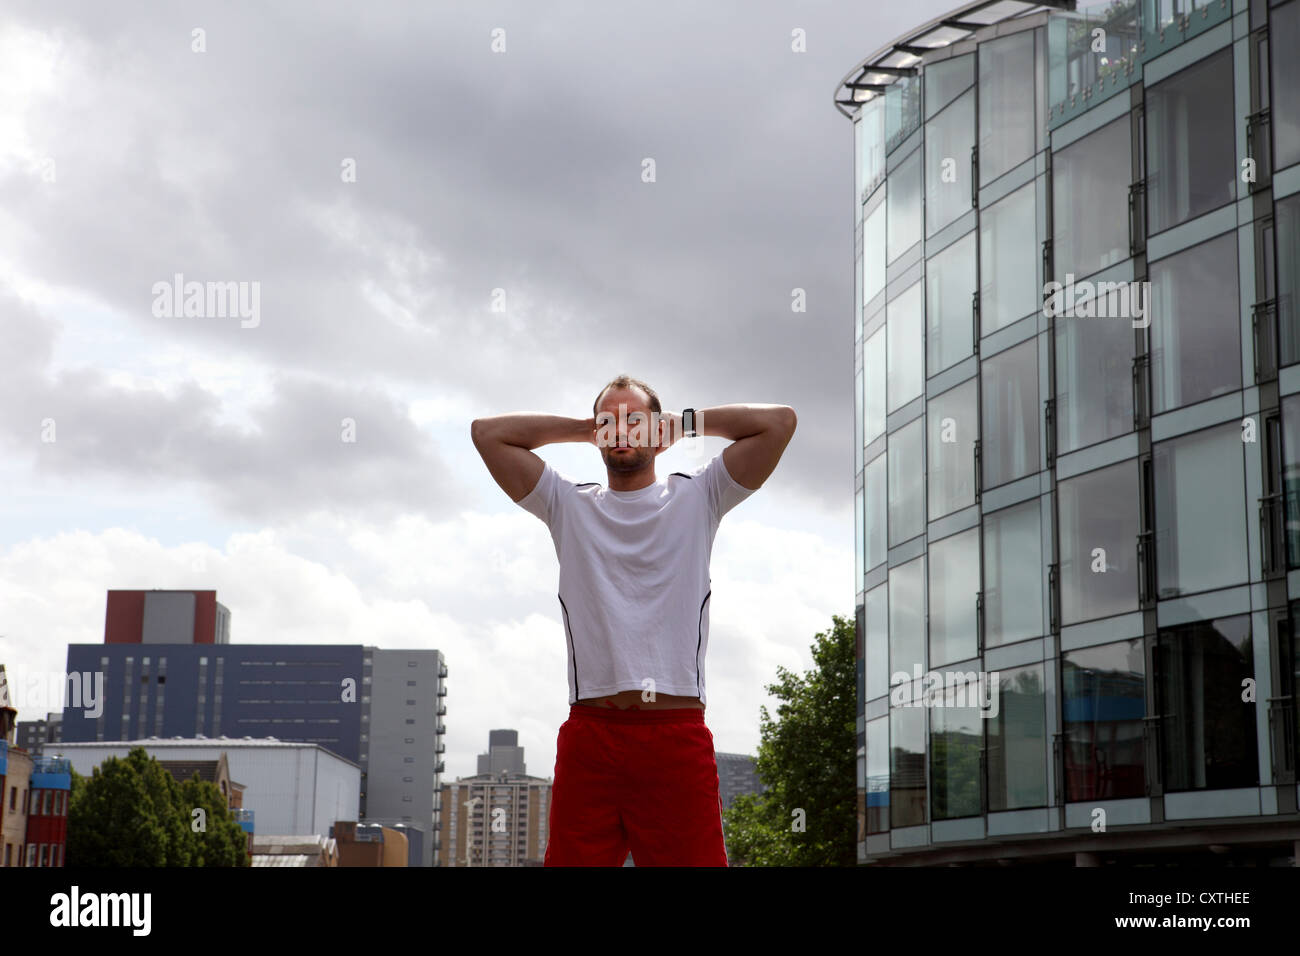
(902, 110)
(1200, 511)
(1207, 733)
(945, 80)
(1017, 741)
(1009, 433)
(877, 649)
(954, 425)
(906, 766)
(1191, 147)
(1103, 706)
(1006, 108)
(948, 141)
(949, 294)
(1094, 381)
(1008, 261)
(873, 385)
(1287, 231)
(873, 253)
(1291, 477)
(1013, 574)
(906, 347)
(1099, 526)
(871, 146)
(858, 390)
(954, 590)
(907, 618)
(956, 739)
(1284, 34)
(877, 782)
(1195, 329)
(875, 511)
(858, 542)
(906, 483)
(903, 198)
(1090, 180)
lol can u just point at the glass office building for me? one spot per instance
(1077, 391)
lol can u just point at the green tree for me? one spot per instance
(807, 762)
(222, 841)
(125, 814)
(132, 812)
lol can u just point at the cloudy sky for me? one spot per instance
(378, 170)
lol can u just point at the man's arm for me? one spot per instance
(506, 441)
(759, 435)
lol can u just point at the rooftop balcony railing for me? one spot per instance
(1091, 54)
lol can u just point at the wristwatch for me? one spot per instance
(688, 422)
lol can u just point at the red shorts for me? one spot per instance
(644, 780)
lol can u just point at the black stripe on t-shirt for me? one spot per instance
(682, 473)
(572, 653)
(700, 640)
(584, 484)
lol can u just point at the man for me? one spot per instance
(635, 765)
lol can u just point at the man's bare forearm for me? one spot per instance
(532, 429)
(740, 421)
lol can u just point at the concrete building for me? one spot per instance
(1077, 359)
(169, 671)
(33, 735)
(296, 851)
(737, 775)
(34, 792)
(498, 817)
(293, 788)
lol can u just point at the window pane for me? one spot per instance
(906, 487)
(1103, 707)
(1090, 180)
(1094, 381)
(1208, 734)
(945, 79)
(1291, 477)
(1195, 330)
(873, 253)
(907, 618)
(948, 141)
(1284, 34)
(1013, 575)
(1006, 74)
(956, 738)
(906, 347)
(873, 384)
(902, 110)
(906, 766)
(858, 543)
(1200, 511)
(1017, 741)
(871, 146)
(903, 197)
(875, 511)
(1008, 261)
(877, 649)
(858, 389)
(1009, 445)
(1287, 222)
(949, 291)
(877, 782)
(954, 585)
(954, 424)
(1191, 147)
(1099, 526)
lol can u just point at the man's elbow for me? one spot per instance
(477, 431)
(788, 419)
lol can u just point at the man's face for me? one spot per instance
(631, 432)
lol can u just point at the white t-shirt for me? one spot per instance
(634, 576)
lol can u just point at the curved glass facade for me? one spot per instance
(1078, 426)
